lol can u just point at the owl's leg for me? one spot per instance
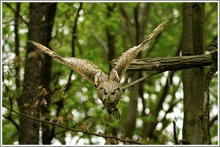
(117, 113)
(110, 115)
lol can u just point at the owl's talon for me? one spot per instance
(111, 118)
(117, 114)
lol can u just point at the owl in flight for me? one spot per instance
(108, 86)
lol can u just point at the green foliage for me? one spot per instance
(81, 108)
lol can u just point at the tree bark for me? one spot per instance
(37, 74)
(192, 44)
(169, 63)
(109, 35)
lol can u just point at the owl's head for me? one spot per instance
(109, 92)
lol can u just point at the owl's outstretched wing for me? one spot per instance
(85, 68)
(126, 57)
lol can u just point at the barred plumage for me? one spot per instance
(108, 86)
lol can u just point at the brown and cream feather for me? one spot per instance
(108, 86)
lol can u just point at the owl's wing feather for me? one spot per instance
(126, 57)
(84, 67)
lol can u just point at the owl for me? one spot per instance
(108, 86)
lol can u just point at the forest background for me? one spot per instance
(44, 102)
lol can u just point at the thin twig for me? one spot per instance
(174, 133)
(20, 16)
(139, 80)
(71, 129)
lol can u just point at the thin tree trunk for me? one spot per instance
(109, 35)
(74, 37)
(141, 15)
(17, 53)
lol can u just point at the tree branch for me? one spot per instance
(169, 63)
(175, 133)
(71, 129)
(14, 10)
(9, 117)
(98, 39)
(206, 115)
(215, 118)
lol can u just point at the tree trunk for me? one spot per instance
(192, 44)
(109, 35)
(37, 73)
(141, 12)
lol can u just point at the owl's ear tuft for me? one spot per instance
(97, 79)
(114, 76)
